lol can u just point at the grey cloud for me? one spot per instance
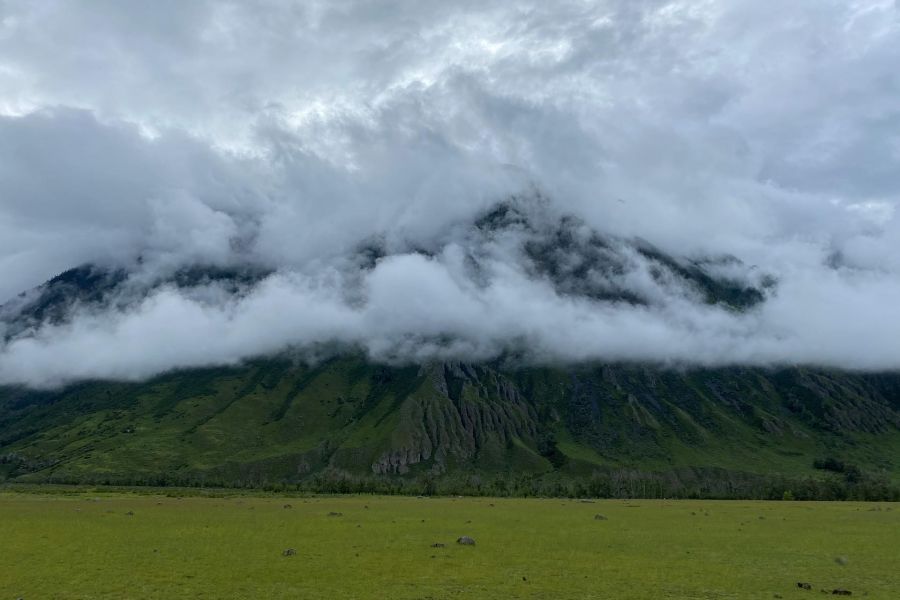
(287, 134)
(75, 190)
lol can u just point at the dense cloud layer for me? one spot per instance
(289, 135)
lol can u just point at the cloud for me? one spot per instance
(286, 135)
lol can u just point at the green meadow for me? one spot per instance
(96, 544)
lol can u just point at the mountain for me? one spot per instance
(343, 422)
(276, 421)
(560, 250)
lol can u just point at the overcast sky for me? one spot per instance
(286, 133)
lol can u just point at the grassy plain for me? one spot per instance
(119, 545)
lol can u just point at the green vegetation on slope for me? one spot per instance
(345, 424)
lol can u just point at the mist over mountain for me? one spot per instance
(604, 247)
(648, 182)
(516, 281)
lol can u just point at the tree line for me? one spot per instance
(685, 483)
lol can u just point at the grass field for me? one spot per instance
(120, 545)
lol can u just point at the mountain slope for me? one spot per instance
(343, 418)
(274, 421)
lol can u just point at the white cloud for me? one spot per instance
(286, 133)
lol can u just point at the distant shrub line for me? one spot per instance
(686, 483)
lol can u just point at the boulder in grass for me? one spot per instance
(840, 592)
(289, 552)
(437, 545)
(600, 518)
(465, 541)
(335, 514)
(804, 586)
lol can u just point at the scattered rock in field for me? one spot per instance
(841, 560)
(586, 501)
(524, 578)
(335, 514)
(600, 518)
(841, 592)
(804, 586)
(437, 545)
(129, 514)
(289, 552)
(288, 506)
(465, 541)
(366, 507)
(777, 596)
(491, 505)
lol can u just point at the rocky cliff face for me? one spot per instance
(459, 410)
